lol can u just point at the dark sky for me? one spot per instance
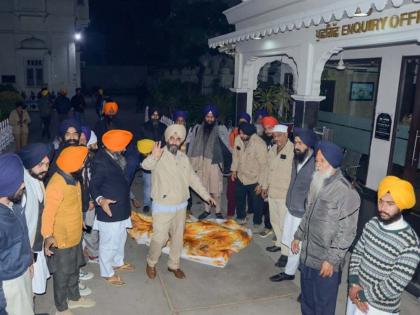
(152, 32)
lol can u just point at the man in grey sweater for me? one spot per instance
(326, 232)
(303, 167)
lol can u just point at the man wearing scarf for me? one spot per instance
(19, 119)
(206, 154)
(36, 160)
(326, 232)
(172, 176)
(61, 228)
(249, 161)
(110, 188)
(153, 129)
(386, 255)
(15, 249)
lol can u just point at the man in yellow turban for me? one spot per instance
(387, 254)
(172, 175)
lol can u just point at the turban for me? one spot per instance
(211, 109)
(145, 146)
(307, 136)
(269, 121)
(260, 112)
(66, 124)
(11, 174)
(331, 152)
(247, 128)
(117, 140)
(401, 191)
(93, 138)
(245, 116)
(180, 113)
(87, 132)
(110, 108)
(32, 154)
(175, 130)
(44, 92)
(280, 128)
(71, 159)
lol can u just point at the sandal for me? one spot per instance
(115, 280)
(125, 267)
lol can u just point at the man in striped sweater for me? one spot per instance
(386, 255)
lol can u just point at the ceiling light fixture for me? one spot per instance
(341, 66)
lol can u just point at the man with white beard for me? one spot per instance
(303, 167)
(326, 232)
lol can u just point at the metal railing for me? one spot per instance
(6, 135)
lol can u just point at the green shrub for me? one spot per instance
(8, 98)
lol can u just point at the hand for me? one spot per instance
(354, 291)
(258, 190)
(48, 243)
(295, 246)
(362, 306)
(157, 151)
(211, 202)
(91, 205)
(234, 176)
(104, 203)
(264, 193)
(327, 269)
(31, 271)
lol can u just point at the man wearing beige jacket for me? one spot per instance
(276, 183)
(172, 175)
(249, 159)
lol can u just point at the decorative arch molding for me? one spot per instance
(33, 43)
(319, 68)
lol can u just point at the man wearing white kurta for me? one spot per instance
(303, 167)
(276, 183)
(172, 175)
(36, 160)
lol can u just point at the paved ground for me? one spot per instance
(242, 287)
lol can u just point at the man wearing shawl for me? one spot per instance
(206, 154)
(36, 160)
(326, 232)
(110, 188)
(61, 228)
(386, 255)
(172, 175)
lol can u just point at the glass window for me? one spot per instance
(34, 73)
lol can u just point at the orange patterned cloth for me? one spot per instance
(206, 242)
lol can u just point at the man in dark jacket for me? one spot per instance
(78, 104)
(326, 232)
(303, 167)
(62, 105)
(110, 189)
(15, 248)
(153, 130)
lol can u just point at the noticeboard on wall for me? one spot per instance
(383, 126)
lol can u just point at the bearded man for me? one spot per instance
(36, 160)
(377, 274)
(326, 232)
(206, 154)
(15, 248)
(172, 175)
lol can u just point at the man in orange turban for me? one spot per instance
(62, 229)
(387, 254)
(110, 188)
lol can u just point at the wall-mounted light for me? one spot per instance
(258, 37)
(341, 65)
(78, 36)
(360, 13)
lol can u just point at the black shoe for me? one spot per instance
(299, 298)
(281, 277)
(146, 209)
(219, 216)
(204, 215)
(282, 262)
(273, 249)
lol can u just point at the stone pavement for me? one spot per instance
(242, 287)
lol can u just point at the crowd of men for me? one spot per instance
(69, 202)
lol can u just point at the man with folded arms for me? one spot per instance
(172, 175)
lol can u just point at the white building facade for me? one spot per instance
(37, 43)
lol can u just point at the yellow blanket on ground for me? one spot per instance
(210, 242)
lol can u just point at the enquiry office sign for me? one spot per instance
(383, 126)
(372, 25)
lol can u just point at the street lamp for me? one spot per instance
(78, 36)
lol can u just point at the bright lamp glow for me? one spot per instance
(78, 36)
